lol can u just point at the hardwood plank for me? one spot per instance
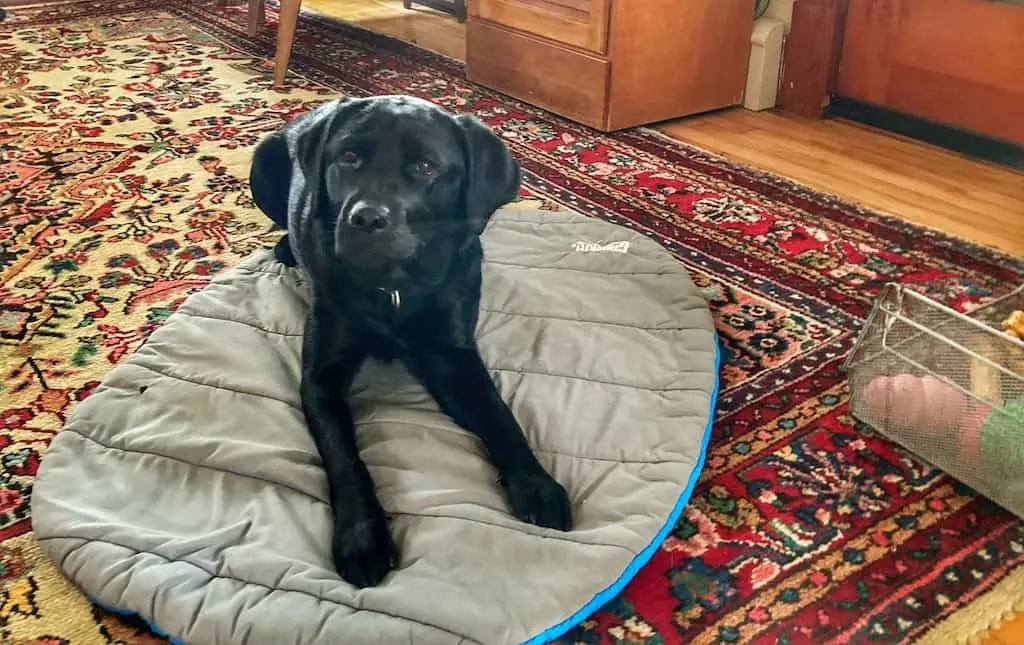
(419, 25)
(1009, 633)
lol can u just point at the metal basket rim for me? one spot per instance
(901, 290)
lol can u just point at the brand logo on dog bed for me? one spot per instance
(600, 247)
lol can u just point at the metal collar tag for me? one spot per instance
(394, 298)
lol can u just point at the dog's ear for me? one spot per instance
(298, 146)
(492, 175)
(270, 178)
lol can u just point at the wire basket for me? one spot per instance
(948, 387)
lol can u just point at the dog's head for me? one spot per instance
(366, 184)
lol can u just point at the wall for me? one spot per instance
(781, 9)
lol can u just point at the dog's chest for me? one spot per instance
(382, 323)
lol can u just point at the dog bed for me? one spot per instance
(187, 490)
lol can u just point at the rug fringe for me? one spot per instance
(975, 623)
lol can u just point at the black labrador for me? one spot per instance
(384, 200)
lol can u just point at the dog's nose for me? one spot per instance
(369, 218)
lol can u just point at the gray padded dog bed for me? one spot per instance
(187, 490)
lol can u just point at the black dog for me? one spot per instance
(384, 200)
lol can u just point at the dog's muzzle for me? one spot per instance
(372, 233)
(368, 218)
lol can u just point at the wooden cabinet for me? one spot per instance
(954, 62)
(579, 23)
(612, 64)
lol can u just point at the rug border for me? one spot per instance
(970, 624)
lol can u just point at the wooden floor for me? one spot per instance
(425, 27)
(921, 183)
(1011, 633)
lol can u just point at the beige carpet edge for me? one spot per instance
(979, 619)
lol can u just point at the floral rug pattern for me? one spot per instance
(126, 129)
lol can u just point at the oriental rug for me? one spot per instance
(126, 129)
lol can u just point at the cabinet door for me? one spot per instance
(580, 23)
(957, 62)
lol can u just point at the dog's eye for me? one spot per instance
(425, 168)
(350, 158)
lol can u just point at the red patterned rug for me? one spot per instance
(126, 128)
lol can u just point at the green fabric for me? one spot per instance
(1002, 441)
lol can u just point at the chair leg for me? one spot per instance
(407, 4)
(257, 16)
(287, 22)
(460, 10)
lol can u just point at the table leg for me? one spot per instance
(287, 22)
(257, 16)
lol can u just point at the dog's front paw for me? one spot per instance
(364, 552)
(535, 497)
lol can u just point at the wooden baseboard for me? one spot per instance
(965, 142)
(455, 8)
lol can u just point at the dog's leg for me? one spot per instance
(460, 383)
(361, 544)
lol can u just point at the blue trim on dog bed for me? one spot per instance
(126, 612)
(613, 590)
(642, 558)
